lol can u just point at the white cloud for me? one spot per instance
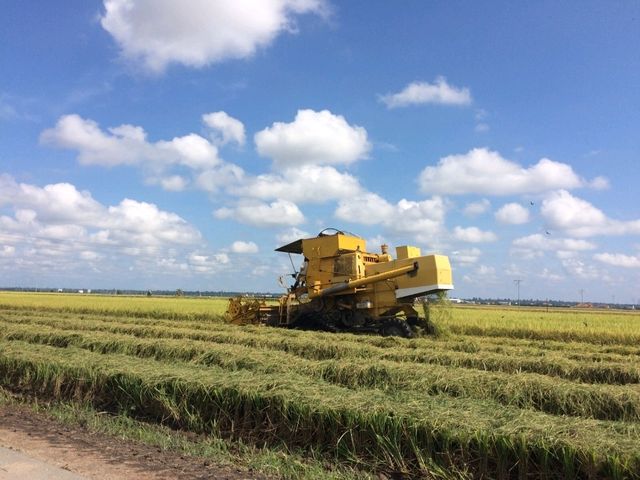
(477, 208)
(259, 214)
(291, 235)
(618, 259)
(512, 214)
(228, 128)
(90, 255)
(579, 218)
(582, 270)
(485, 172)
(191, 150)
(486, 271)
(57, 228)
(542, 242)
(174, 183)
(366, 209)
(466, 257)
(419, 93)
(308, 184)
(599, 183)
(424, 220)
(244, 247)
(144, 223)
(319, 138)
(207, 263)
(128, 145)
(547, 274)
(564, 254)
(223, 176)
(473, 235)
(204, 32)
(60, 211)
(375, 244)
(482, 275)
(60, 202)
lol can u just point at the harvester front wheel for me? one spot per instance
(396, 327)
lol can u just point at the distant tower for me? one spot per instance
(517, 282)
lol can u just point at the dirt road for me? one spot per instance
(35, 441)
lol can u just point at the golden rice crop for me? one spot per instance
(400, 430)
(507, 393)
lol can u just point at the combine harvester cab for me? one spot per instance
(342, 287)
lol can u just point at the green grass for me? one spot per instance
(505, 393)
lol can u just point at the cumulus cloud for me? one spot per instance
(477, 208)
(61, 211)
(420, 93)
(466, 257)
(542, 242)
(473, 235)
(174, 183)
(291, 235)
(580, 269)
(547, 274)
(305, 184)
(618, 259)
(59, 228)
(207, 263)
(244, 247)
(160, 32)
(128, 145)
(512, 214)
(260, 214)
(424, 220)
(482, 171)
(482, 274)
(318, 138)
(577, 217)
(227, 129)
(222, 176)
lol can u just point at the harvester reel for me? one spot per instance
(244, 312)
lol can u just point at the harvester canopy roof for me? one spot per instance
(293, 247)
(297, 246)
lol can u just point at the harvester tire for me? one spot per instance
(396, 327)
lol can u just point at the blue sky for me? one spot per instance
(159, 144)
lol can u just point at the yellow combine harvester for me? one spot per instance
(342, 287)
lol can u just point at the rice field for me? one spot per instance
(503, 393)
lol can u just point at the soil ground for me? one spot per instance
(98, 456)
